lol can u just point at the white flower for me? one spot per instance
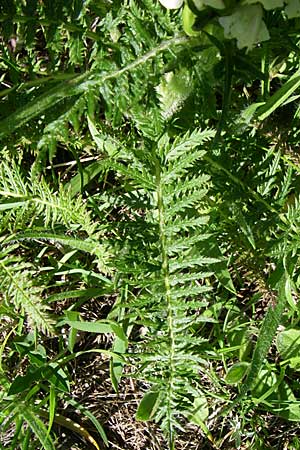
(171, 4)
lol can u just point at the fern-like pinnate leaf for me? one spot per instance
(21, 294)
(27, 201)
(173, 91)
(91, 245)
(172, 270)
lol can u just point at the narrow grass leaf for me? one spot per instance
(100, 326)
(37, 427)
(279, 97)
(91, 417)
(72, 426)
(52, 407)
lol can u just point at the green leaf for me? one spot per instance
(116, 366)
(147, 406)
(220, 268)
(237, 372)
(84, 245)
(78, 293)
(268, 4)
(288, 346)
(188, 21)
(244, 226)
(248, 113)
(11, 204)
(100, 326)
(37, 426)
(265, 384)
(273, 393)
(78, 406)
(288, 406)
(52, 407)
(246, 25)
(173, 90)
(57, 376)
(104, 142)
(51, 372)
(292, 8)
(216, 4)
(280, 97)
(269, 326)
(38, 356)
(21, 383)
(74, 316)
(81, 180)
(200, 411)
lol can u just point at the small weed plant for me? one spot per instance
(150, 165)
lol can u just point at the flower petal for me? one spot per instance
(171, 4)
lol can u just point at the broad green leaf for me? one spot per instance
(289, 293)
(288, 346)
(21, 383)
(202, 4)
(188, 21)
(216, 4)
(246, 25)
(273, 393)
(38, 356)
(237, 372)
(200, 411)
(24, 344)
(51, 372)
(265, 386)
(239, 337)
(292, 8)
(289, 405)
(104, 142)
(79, 181)
(268, 4)
(147, 406)
(57, 376)
(199, 4)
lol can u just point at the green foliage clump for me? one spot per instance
(150, 161)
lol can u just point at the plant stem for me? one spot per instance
(168, 298)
